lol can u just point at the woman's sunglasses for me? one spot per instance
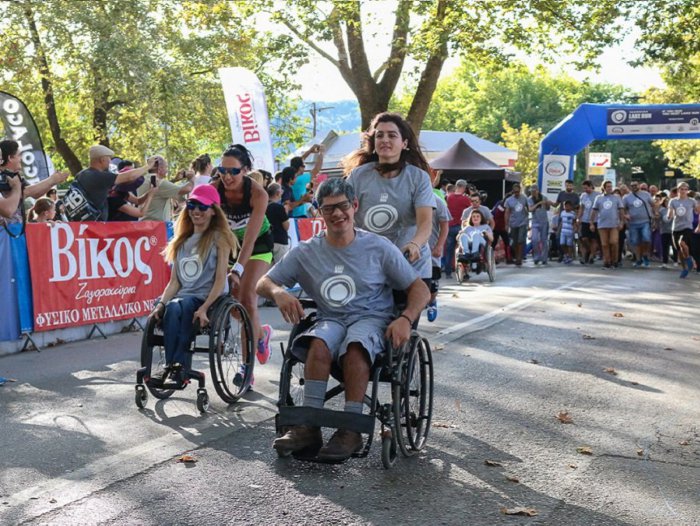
(232, 171)
(192, 204)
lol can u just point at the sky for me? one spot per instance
(321, 81)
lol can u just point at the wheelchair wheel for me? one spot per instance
(413, 396)
(388, 450)
(153, 357)
(231, 350)
(490, 258)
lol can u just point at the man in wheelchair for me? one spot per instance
(350, 274)
(472, 241)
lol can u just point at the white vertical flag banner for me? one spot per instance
(247, 114)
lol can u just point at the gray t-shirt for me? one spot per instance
(587, 201)
(682, 213)
(639, 206)
(441, 213)
(349, 283)
(665, 224)
(484, 211)
(518, 210)
(196, 277)
(388, 206)
(607, 207)
(539, 216)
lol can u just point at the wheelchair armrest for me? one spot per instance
(307, 303)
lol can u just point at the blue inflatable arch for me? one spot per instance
(590, 122)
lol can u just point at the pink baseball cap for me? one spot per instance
(205, 194)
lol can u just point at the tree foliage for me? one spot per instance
(526, 141)
(426, 32)
(138, 75)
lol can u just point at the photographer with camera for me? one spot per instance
(14, 189)
(160, 208)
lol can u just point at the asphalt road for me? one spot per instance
(619, 352)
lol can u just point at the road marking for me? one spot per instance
(489, 319)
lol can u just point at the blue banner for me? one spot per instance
(9, 321)
(23, 281)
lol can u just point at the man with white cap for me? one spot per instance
(96, 180)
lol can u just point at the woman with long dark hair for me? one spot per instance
(390, 177)
(244, 203)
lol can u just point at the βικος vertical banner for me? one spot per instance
(556, 169)
(247, 114)
(19, 126)
(89, 272)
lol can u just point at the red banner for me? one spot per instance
(89, 272)
(308, 228)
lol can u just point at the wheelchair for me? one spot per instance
(230, 344)
(485, 261)
(405, 419)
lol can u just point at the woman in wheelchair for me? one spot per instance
(199, 253)
(350, 275)
(474, 235)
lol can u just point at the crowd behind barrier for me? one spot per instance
(58, 280)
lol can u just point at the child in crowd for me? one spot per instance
(474, 234)
(566, 232)
(554, 224)
(43, 211)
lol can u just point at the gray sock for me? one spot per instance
(314, 393)
(353, 407)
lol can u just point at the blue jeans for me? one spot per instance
(450, 246)
(177, 329)
(540, 242)
(639, 233)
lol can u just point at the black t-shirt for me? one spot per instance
(287, 194)
(96, 185)
(572, 197)
(277, 215)
(114, 202)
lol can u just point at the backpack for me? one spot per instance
(78, 208)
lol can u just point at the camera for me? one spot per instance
(5, 176)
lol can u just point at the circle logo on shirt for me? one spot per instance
(380, 218)
(588, 204)
(607, 205)
(338, 291)
(681, 210)
(637, 203)
(518, 207)
(191, 268)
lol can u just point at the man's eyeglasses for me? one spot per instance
(192, 204)
(327, 210)
(232, 171)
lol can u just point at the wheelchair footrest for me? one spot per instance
(312, 416)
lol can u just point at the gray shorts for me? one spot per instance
(368, 332)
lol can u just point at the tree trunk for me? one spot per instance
(65, 151)
(426, 88)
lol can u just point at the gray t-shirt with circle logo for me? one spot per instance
(586, 202)
(682, 213)
(519, 211)
(196, 277)
(388, 206)
(639, 206)
(348, 283)
(608, 207)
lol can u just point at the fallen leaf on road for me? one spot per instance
(186, 459)
(53, 501)
(618, 315)
(458, 405)
(610, 370)
(532, 360)
(640, 452)
(492, 463)
(634, 383)
(668, 348)
(573, 466)
(442, 424)
(455, 295)
(438, 347)
(528, 512)
(511, 478)
(579, 305)
(584, 450)
(564, 417)
(684, 443)
(588, 337)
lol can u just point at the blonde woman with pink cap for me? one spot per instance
(199, 253)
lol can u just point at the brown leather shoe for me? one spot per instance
(342, 444)
(299, 438)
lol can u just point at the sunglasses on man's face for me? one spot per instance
(192, 204)
(231, 171)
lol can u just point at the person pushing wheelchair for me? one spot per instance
(350, 275)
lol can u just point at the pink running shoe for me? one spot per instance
(263, 353)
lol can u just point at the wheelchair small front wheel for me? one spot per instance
(141, 396)
(202, 401)
(388, 450)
